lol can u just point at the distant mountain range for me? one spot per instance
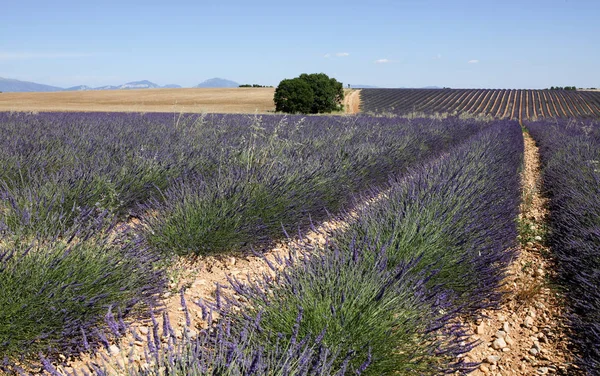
(7, 84)
(217, 82)
(10, 85)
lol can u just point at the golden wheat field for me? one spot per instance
(235, 100)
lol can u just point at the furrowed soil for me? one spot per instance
(528, 334)
(234, 100)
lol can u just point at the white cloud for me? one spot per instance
(327, 56)
(41, 55)
(342, 54)
(382, 61)
(473, 61)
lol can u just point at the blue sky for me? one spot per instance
(480, 44)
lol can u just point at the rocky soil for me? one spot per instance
(528, 334)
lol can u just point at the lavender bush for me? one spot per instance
(570, 153)
(291, 172)
(56, 291)
(384, 296)
(457, 214)
(435, 246)
(58, 165)
(211, 183)
(221, 350)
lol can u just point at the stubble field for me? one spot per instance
(236, 100)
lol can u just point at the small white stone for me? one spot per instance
(506, 327)
(538, 238)
(192, 333)
(500, 334)
(528, 323)
(113, 350)
(143, 330)
(499, 343)
(492, 359)
(480, 329)
(539, 272)
(533, 351)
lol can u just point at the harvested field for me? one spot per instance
(236, 100)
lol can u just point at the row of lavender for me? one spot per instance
(570, 154)
(227, 179)
(199, 184)
(385, 295)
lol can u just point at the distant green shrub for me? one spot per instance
(310, 94)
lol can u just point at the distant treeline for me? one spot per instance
(562, 88)
(254, 85)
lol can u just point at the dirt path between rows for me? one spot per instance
(352, 101)
(199, 277)
(527, 335)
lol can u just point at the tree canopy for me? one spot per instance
(310, 94)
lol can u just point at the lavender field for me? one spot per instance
(95, 208)
(496, 103)
(570, 152)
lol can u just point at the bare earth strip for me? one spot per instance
(352, 101)
(235, 100)
(527, 334)
(199, 278)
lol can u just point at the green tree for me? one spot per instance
(293, 96)
(327, 94)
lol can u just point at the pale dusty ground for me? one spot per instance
(352, 101)
(236, 100)
(530, 319)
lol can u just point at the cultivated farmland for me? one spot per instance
(496, 103)
(236, 100)
(69, 177)
(211, 244)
